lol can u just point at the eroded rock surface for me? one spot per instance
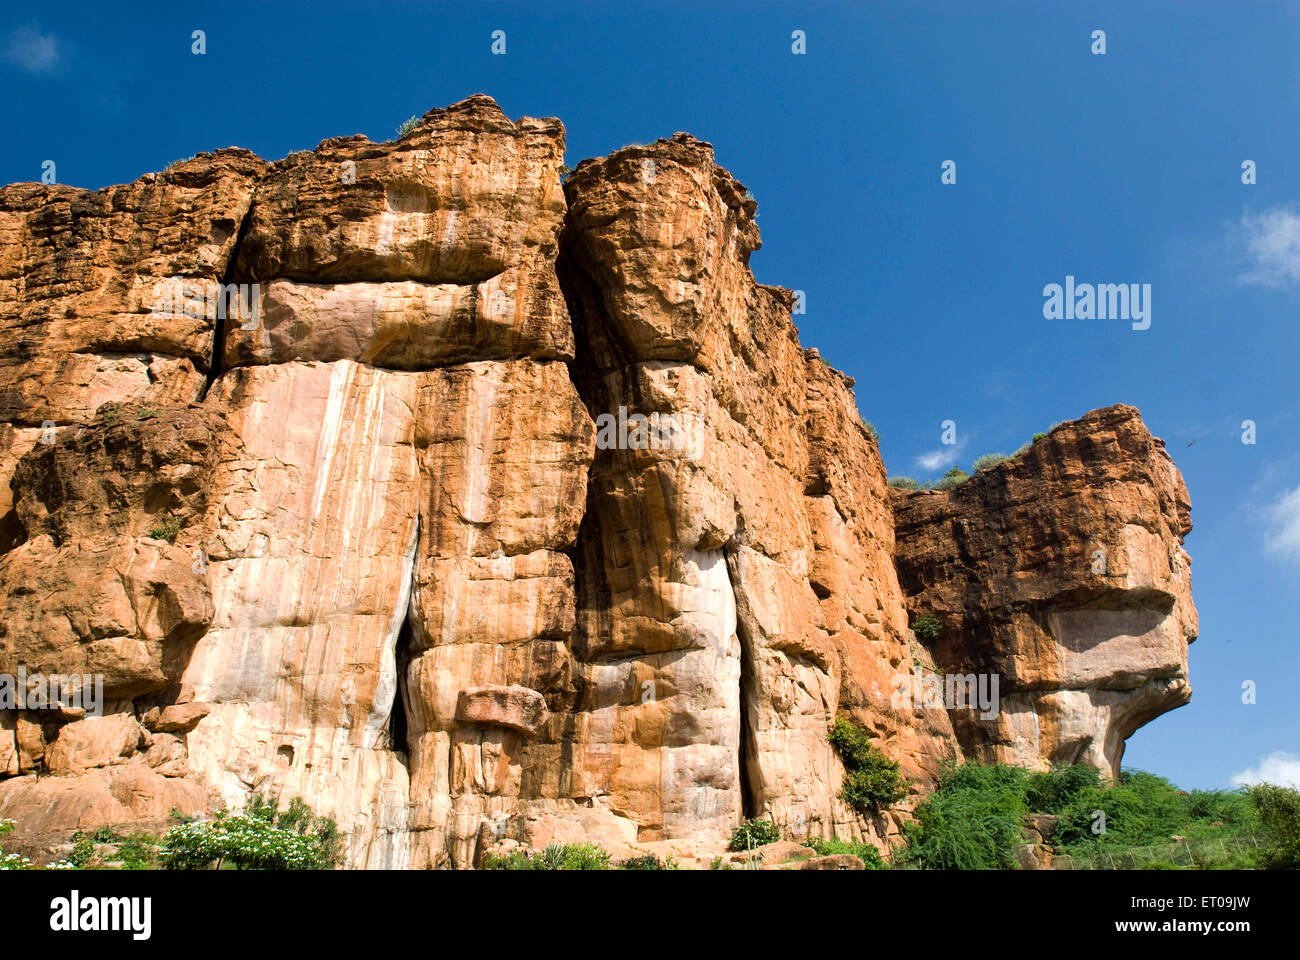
(1062, 571)
(484, 510)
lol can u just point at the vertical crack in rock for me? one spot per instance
(216, 363)
(749, 770)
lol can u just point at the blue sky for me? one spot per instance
(1124, 167)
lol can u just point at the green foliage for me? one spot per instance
(406, 126)
(927, 628)
(139, 851)
(871, 779)
(556, 856)
(865, 852)
(565, 170)
(871, 429)
(971, 822)
(973, 819)
(648, 862)
(168, 528)
(754, 833)
(261, 838)
(951, 480)
(988, 461)
(1278, 810)
(145, 413)
(904, 483)
(1038, 436)
(83, 848)
(106, 835)
(110, 413)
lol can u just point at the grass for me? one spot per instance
(169, 527)
(973, 820)
(828, 847)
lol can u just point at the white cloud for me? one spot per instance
(1272, 240)
(1284, 520)
(1278, 767)
(33, 50)
(943, 457)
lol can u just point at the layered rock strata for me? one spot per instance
(479, 508)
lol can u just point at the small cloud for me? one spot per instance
(943, 457)
(33, 50)
(1284, 519)
(1279, 767)
(1272, 241)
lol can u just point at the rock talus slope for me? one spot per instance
(478, 507)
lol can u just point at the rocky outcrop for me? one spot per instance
(1062, 572)
(485, 510)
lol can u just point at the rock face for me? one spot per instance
(481, 509)
(1061, 571)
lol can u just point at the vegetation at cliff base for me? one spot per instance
(975, 817)
(904, 483)
(865, 852)
(754, 833)
(556, 856)
(263, 837)
(871, 779)
(1278, 811)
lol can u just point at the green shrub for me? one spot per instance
(871, 779)
(988, 461)
(138, 852)
(1278, 809)
(951, 480)
(168, 528)
(260, 838)
(1038, 436)
(904, 483)
(406, 126)
(145, 413)
(83, 848)
(647, 862)
(927, 628)
(865, 852)
(754, 833)
(972, 821)
(556, 856)
(871, 429)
